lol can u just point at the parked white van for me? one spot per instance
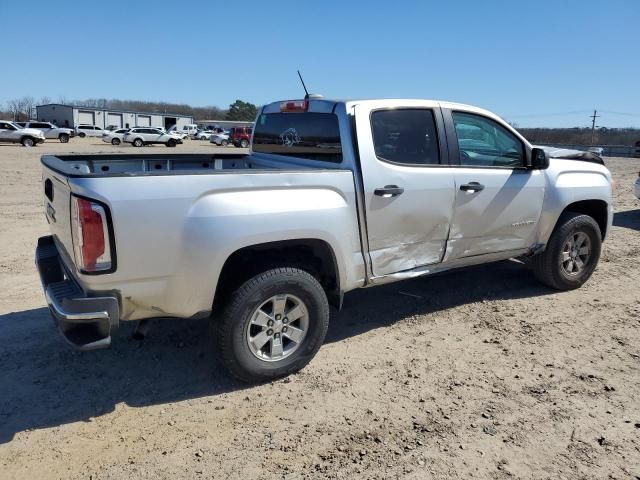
(190, 129)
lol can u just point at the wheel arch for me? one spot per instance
(314, 256)
(596, 209)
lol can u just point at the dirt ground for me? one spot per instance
(479, 373)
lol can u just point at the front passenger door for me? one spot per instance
(498, 200)
(7, 132)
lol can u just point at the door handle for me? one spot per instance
(472, 187)
(389, 191)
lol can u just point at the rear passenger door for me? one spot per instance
(498, 200)
(408, 190)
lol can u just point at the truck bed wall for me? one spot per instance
(173, 233)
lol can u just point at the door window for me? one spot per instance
(405, 136)
(483, 142)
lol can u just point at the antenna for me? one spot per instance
(303, 85)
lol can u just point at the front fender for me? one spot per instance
(570, 181)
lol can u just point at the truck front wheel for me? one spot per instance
(572, 253)
(273, 325)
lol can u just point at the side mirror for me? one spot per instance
(539, 159)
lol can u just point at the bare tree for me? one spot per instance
(28, 107)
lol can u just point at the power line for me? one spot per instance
(556, 114)
(626, 114)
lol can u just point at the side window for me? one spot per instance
(405, 136)
(485, 143)
(4, 126)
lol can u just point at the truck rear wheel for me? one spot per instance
(572, 253)
(273, 325)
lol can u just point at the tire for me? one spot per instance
(171, 143)
(27, 142)
(64, 138)
(224, 143)
(561, 265)
(241, 356)
(82, 134)
(115, 141)
(138, 142)
(244, 143)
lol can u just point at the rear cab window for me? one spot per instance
(406, 136)
(309, 135)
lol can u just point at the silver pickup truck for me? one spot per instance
(334, 196)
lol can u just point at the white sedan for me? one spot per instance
(140, 136)
(114, 137)
(221, 139)
(203, 134)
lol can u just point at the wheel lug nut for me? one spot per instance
(278, 316)
(284, 329)
(270, 323)
(285, 320)
(269, 332)
(277, 335)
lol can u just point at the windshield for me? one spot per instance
(315, 136)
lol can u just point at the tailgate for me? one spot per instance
(56, 196)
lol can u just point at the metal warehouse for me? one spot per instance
(73, 115)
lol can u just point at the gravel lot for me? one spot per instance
(478, 373)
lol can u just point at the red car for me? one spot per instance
(240, 136)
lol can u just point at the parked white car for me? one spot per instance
(50, 130)
(140, 136)
(89, 131)
(636, 186)
(176, 133)
(203, 134)
(221, 139)
(114, 137)
(13, 133)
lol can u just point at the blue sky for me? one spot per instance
(542, 63)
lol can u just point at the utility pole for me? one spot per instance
(593, 124)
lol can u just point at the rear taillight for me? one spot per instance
(294, 106)
(90, 229)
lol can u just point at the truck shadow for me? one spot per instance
(627, 219)
(46, 384)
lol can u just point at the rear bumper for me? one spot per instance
(86, 322)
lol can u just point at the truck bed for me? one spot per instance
(83, 166)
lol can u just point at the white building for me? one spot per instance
(71, 116)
